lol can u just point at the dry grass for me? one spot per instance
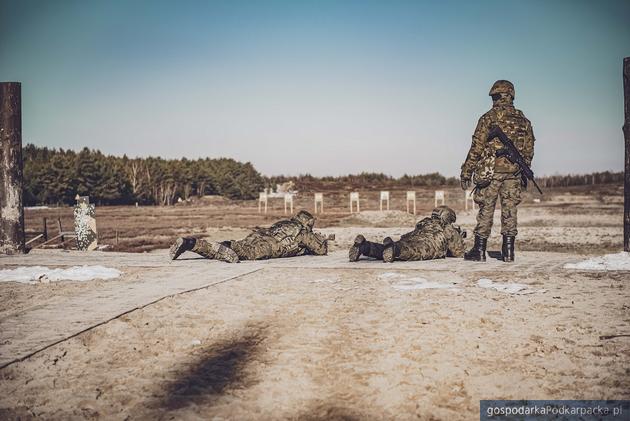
(142, 229)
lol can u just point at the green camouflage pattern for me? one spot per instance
(432, 238)
(482, 152)
(484, 170)
(496, 177)
(507, 188)
(286, 238)
(502, 87)
(445, 214)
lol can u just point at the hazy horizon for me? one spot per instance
(323, 175)
(325, 88)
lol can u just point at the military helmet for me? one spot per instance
(305, 218)
(502, 87)
(445, 214)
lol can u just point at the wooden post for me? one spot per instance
(63, 239)
(45, 230)
(626, 133)
(11, 175)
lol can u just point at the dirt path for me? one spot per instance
(321, 339)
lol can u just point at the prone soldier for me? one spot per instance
(494, 175)
(433, 238)
(285, 238)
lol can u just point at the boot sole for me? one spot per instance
(176, 249)
(354, 254)
(388, 254)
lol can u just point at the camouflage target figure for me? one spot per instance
(433, 238)
(286, 238)
(495, 177)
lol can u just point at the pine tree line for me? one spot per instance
(605, 177)
(364, 180)
(56, 176)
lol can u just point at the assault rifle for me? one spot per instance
(513, 155)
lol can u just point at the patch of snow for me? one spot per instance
(325, 280)
(195, 342)
(390, 275)
(403, 282)
(608, 262)
(35, 207)
(419, 283)
(33, 274)
(510, 288)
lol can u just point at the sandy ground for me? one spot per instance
(338, 344)
(320, 338)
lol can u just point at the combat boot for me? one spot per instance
(181, 245)
(390, 252)
(507, 250)
(478, 251)
(355, 250)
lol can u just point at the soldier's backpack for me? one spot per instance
(484, 170)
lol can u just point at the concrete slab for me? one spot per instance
(156, 277)
(74, 257)
(528, 261)
(65, 316)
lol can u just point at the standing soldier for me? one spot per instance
(495, 176)
(286, 238)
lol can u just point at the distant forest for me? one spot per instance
(56, 176)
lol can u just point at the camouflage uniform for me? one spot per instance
(286, 238)
(433, 238)
(497, 177)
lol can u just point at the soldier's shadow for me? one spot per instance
(495, 255)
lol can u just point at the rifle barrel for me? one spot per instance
(513, 154)
(537, 188)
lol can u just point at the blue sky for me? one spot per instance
(322, 87)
